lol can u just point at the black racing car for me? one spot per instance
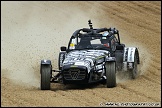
(92, 55)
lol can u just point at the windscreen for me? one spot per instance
(90, 42)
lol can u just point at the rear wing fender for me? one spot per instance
(129, 53)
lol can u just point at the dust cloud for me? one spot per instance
(32, 31)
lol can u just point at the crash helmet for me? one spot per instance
(104, 38)
(105, 33)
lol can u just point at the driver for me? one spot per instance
(105, 39)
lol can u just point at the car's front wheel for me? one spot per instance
(111, 74)
(45, 77)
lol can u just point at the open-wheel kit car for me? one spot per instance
(92, 55)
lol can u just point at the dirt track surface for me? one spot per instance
(32, 31)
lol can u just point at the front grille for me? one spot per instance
(74, 74)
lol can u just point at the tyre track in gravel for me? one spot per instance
(81, 94)
(127, 9)
(141, 18)
(138, 93)
(75, 97)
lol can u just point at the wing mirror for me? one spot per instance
(63, 48)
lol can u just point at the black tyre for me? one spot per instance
(110, 74)
(133, 72)
(45, 77)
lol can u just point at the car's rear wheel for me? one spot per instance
(45, 77)
(133, 72)
(110, 74)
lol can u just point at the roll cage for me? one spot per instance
(92, 34)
